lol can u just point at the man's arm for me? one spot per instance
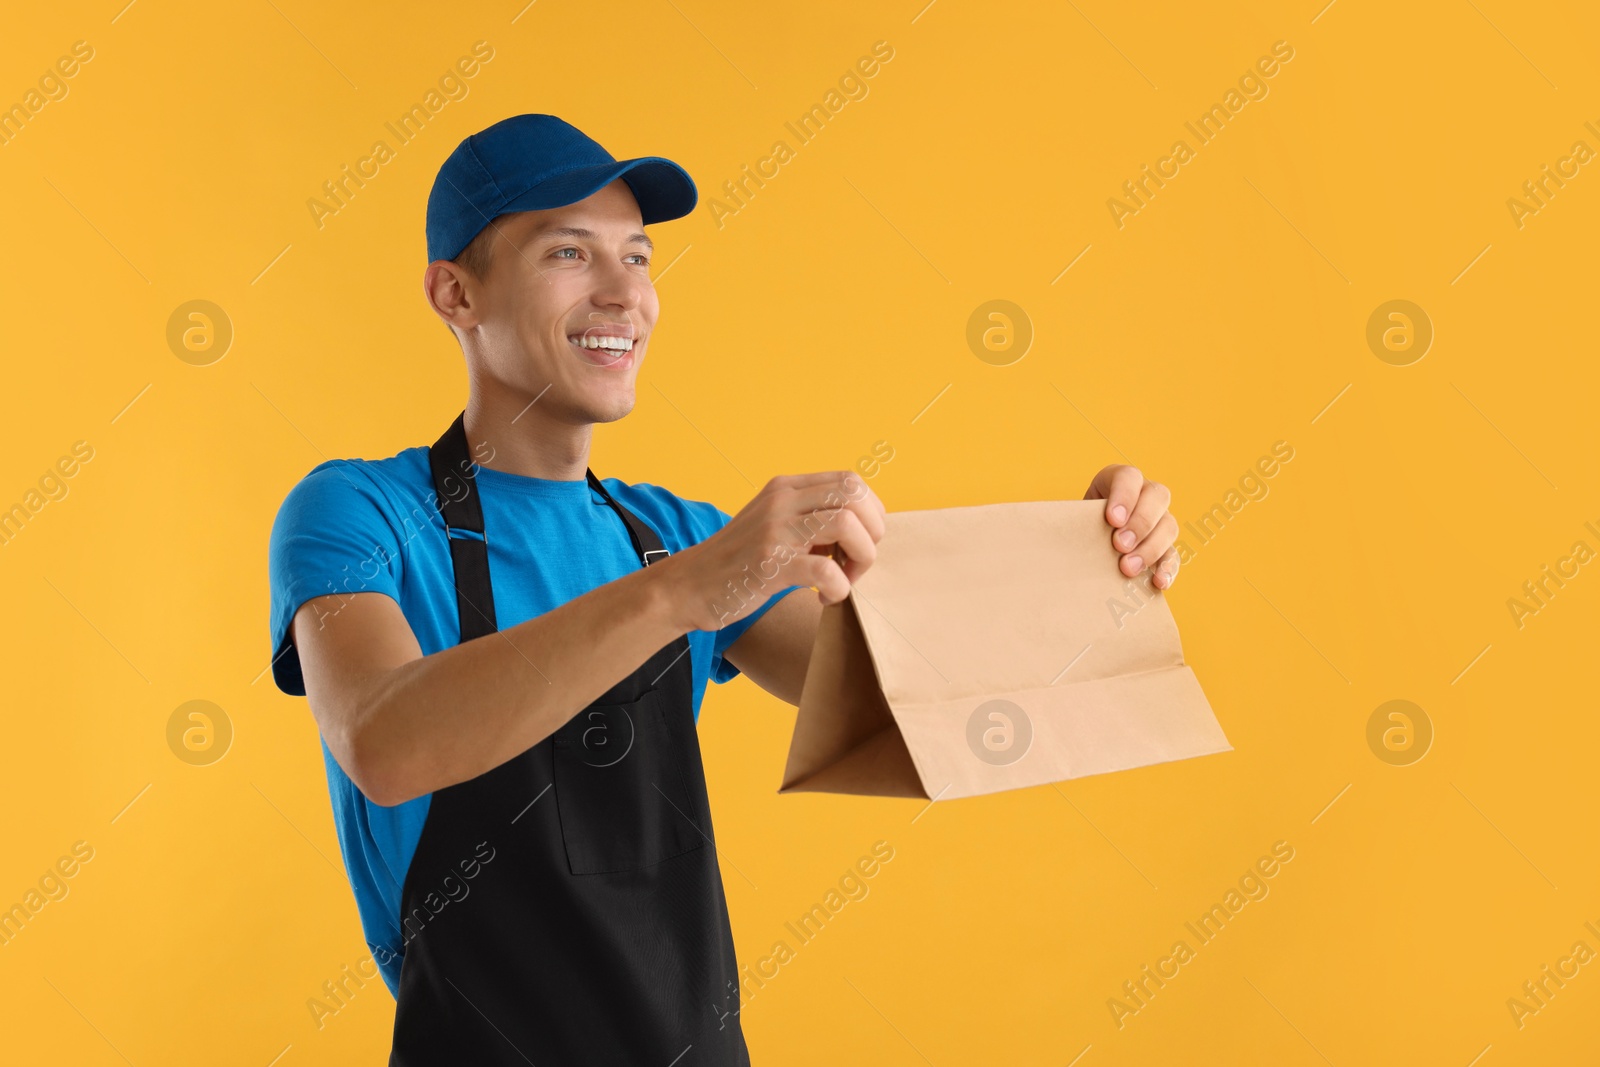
(403, 725)
(776, 650)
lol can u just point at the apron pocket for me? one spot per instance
(620, 788)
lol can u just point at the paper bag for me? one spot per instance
(992, 648)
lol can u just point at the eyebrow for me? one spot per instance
(589, 235)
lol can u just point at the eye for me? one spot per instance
(558, 251)
(642, 257)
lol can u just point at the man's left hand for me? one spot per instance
(1143, 531)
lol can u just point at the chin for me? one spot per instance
(611, 409)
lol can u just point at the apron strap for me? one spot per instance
(645, 542)
(456, 490)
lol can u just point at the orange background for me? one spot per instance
(828, 314)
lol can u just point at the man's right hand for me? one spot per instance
(785, 536)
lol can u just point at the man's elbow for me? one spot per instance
(380, 787)
(370, 760)
(383, 777)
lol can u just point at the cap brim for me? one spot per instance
(663, 189)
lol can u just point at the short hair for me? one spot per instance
(478, 256)
(476, 259)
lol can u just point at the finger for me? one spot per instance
(1119, 486)
(1152, 547)
(821, 573)
(874, 516)
(846, 531)
(856, 490)
(1153, 500)
(865, 503)
(1101, 485)
(1166, 570)
(806, 481)
(811, 505)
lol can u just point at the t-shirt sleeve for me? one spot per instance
(332, 535)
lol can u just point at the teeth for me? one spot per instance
(619, 344)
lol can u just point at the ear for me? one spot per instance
(453, 293)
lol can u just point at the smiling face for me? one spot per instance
(564, 309)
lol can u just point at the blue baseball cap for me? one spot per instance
(535, 162)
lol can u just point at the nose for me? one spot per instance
(616, 285)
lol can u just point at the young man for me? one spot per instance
(506, 656)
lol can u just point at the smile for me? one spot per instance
(604, 350)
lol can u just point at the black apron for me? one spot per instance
(566, 907)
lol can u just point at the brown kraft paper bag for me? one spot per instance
(990, 648)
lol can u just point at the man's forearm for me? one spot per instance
(775, 651)
(451, 716)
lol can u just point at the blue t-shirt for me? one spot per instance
(354, 526)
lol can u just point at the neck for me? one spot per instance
(524, 440)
